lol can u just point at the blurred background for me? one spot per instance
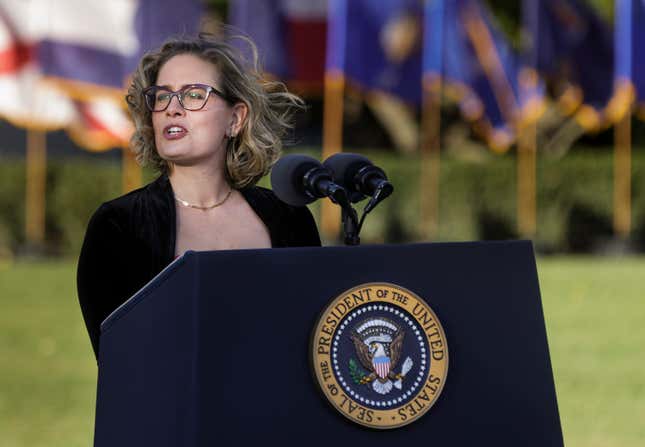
(494, 119)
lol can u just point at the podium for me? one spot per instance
(215, 349)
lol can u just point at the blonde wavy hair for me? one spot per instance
(258, 144)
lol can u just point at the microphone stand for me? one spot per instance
(350, 226)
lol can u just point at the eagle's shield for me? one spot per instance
(381, 366)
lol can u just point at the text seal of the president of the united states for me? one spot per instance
(380, 355)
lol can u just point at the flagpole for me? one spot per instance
(430, 157)
(528, 82)
(36, 167)
(526, 181)
(622, 176)
(332, 144)
(130, 171)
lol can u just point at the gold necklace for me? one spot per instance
(204, 208)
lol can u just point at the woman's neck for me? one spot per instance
(198, 185)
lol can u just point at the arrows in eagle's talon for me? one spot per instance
(407, 365)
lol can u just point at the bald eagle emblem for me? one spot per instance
(378, 342)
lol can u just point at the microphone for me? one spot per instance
(358, 175)
(299, 180)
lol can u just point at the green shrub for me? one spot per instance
(12, 205)
(77, 190)
(477, 200)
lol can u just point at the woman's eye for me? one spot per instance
(195, 94)
(163, 96)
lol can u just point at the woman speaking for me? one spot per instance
(212, 127)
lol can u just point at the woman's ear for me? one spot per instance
(238, 118)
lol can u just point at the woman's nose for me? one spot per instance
(174, 107)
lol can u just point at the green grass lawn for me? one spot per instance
(595, 315)
(594, 307)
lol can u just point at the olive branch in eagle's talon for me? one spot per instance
(359, 376)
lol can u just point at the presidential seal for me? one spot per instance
(380, 355)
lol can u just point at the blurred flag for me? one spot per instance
(88, 42)
(377, 45)
(93, 46)
(572, 48)
(478, 69)
(90, 48)
(24, 100)
(290, 35)
(100, 124)
(629, 74)
(82, 52)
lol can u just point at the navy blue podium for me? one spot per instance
(215, 350)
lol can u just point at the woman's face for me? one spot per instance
(190, 138)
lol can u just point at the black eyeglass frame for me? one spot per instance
(180, 94)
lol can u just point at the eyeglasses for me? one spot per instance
(191, 97)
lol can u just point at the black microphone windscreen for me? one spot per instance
(345, 166)
(287, 178)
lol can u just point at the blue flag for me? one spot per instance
(477, 67)
(571, 47)
(376, 44)
(630, 59)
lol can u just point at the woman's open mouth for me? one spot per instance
(174, 132)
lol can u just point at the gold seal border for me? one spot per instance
(322, 364)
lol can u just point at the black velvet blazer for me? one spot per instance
(132, 238)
